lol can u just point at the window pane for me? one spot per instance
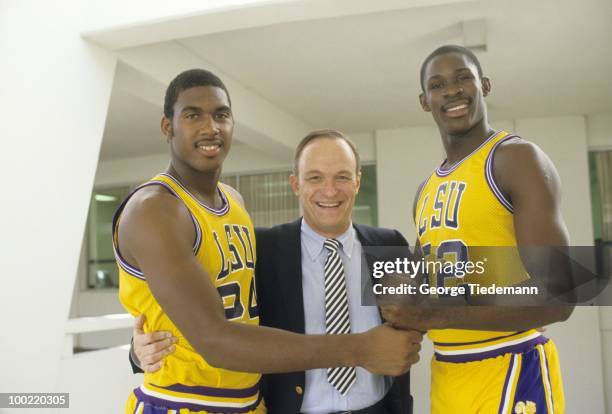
(600, 168)
(366, 204)
(230, 180)
(102, 270)
(595, 197)
(268, 198)
(603, 176)
(103, 275)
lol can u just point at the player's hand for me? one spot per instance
(151, 348)
(419, 318)
(389, 351)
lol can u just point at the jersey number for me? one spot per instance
(458, 252)
(235, 309)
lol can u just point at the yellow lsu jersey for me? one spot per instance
(225, 247)
(463, 216)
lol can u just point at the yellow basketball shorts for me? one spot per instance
(143, 400)
(527, 382)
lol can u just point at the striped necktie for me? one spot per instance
(337, 320)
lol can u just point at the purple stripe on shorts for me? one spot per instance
(530, 387)
(172, 405)
(505, 388)
(514, 349)
(213, 392)
(552, 401)
(477, 342)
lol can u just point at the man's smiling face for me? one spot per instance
(454, 93)
(200, 131)
(326, 183)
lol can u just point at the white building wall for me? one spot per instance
(404, 159)
(98, 382)
(55, 94)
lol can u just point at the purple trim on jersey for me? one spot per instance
(218, 212)
(132, 270)
(505, 388)
(477, 342)
(198, 229)
(491, 178)
(212, 391)
(418, 197)
(478, 356)
(420, 191)
(173, 405)
(443, 173)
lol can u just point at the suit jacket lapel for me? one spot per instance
(362, 235)
(289, 274)
(366, 240)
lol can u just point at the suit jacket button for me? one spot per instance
(299, 390)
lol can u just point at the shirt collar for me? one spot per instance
(314, 242)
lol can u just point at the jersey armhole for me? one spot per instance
(417, 196)
(490, 177)
(125, 265)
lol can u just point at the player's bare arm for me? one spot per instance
(529, 179)
(148, 349)
(156, 234)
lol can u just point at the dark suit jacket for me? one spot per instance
(279, 293)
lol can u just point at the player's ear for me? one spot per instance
(295, 184)
(424, 104)
(486, 86)
(358, 180)
(166, 128)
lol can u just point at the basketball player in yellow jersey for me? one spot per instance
(185, 249)
(493, 189)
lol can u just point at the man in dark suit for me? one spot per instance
(279, 278)
(309, 281)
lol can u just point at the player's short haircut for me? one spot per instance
(443, 50)
(329, 134)
(190, 79)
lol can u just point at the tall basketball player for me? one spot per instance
(493, 189)
(186, 252)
